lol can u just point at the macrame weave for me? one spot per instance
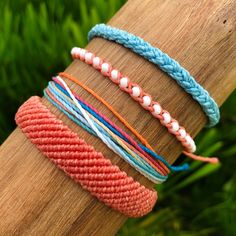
(82, 162)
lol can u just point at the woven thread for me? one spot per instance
(164, 62)
(81, 162)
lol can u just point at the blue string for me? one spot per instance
(144, 166)
(97, 116)
(164, 62)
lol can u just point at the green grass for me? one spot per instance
(36, 38)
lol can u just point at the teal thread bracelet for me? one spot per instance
(164, 62)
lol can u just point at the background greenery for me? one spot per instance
(35, 40)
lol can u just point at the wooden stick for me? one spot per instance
(37, 198)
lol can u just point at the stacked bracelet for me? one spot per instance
(80, 160)
(136, 92)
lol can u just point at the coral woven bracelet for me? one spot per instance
(81, 162)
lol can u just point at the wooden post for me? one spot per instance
(36, 198)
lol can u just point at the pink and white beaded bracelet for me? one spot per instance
(144, 99)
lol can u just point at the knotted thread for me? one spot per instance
(81, 162)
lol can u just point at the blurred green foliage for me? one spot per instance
(35, 40)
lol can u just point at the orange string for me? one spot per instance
(212, 160)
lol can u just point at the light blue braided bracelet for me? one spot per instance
(164, 62)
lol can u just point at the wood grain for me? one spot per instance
(38, 199)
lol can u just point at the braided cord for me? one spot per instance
(164, 62)
(81, 162)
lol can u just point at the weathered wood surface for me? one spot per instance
(36, 198)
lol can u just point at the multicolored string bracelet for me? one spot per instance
(54, 94)
(136, 92)
(130, 155)
(164, 62)
(81, 162)
(56, 88)
(140, 137)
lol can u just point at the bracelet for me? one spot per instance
(56, 89)
(145, 100)
(136, 92)
(115, 143)
(81, 162)
(165, 63)
(140, 137)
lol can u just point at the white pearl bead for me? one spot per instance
(124, 82)
(96, 62)
(88, 56)
(75, 51)
(105, 67)
(157, 109)
(146, 101)
(166, 117)
(188, 140)
(114, 74)
(135, 91)
(192, 143)
(82, 53)
(175, 126)
(182, 133)
(194, 148)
